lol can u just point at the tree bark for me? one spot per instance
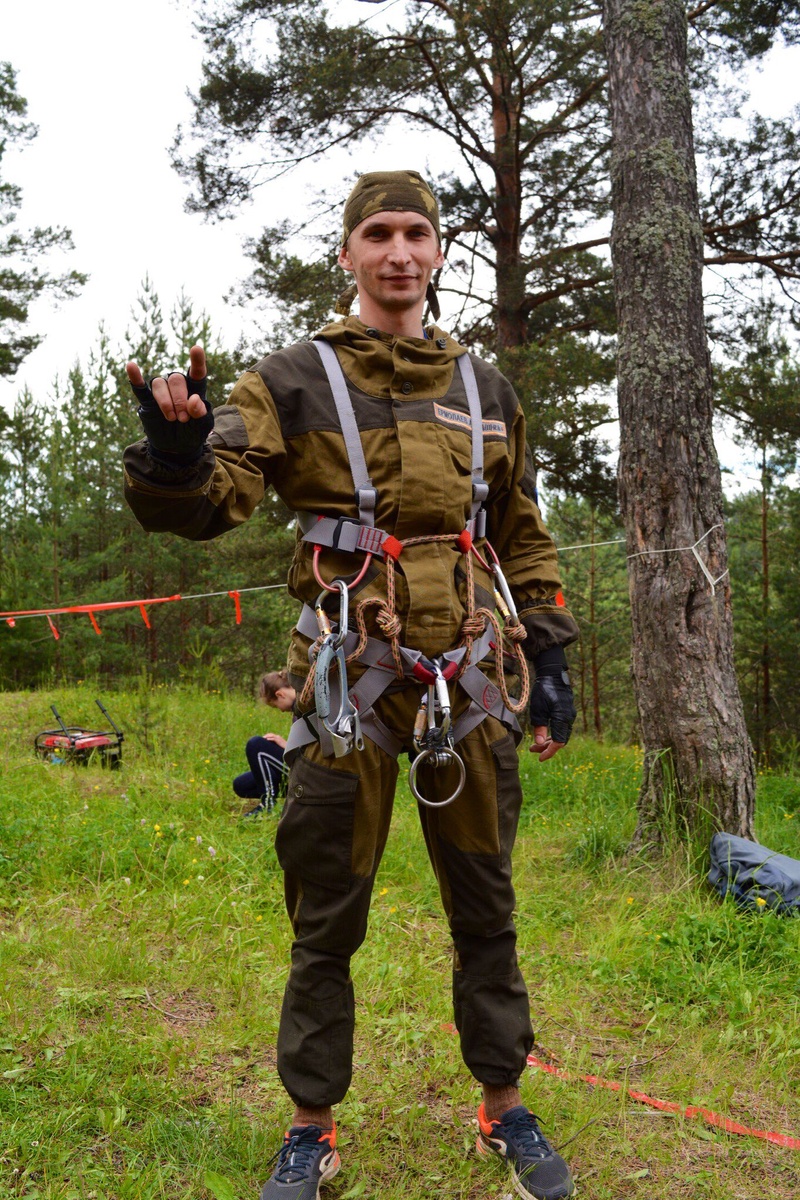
(765, 646)
(698, 769)
(510, 274)
(598, 724)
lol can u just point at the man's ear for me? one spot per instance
(344, 260)
(439, 260)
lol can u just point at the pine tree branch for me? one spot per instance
(773, 261)
(536, 300)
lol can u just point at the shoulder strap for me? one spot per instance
(480, 488)
(366, 494)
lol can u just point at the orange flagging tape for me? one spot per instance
(685, 1110)
(107, 606)
(236, 598)
(10, 618)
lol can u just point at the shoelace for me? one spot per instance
(295, 1155)
(526, 1134)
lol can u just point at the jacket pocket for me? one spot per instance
(314, 838)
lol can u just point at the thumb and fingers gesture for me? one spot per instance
(179, 397)
(552, 713)
(175, 414)
(543, 744)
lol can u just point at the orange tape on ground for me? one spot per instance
(684, 1110)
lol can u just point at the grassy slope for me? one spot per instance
(141, 976)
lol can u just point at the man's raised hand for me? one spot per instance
(173, 409)
(179, 397)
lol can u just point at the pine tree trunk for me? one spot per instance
(698, 769)
(593, 648)
(765, 646)
(509, 272)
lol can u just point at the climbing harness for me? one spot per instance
(344, 715)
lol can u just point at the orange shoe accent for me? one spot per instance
(484, 1124)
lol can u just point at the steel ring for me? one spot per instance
(412, 776)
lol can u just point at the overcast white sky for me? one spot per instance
(107, 85)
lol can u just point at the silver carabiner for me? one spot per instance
(344, 611)
(505, 592)
(434, 742)
(442, 703)
(345, 728)
(323, 620)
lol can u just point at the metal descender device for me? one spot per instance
(345, 727)
(434, 742)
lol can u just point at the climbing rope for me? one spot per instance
(473, 625)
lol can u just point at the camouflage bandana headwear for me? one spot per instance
(388, 191)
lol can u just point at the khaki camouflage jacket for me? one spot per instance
(279, 428)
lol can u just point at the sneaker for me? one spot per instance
(307, 1158)
(539, 1173)
(265, 805)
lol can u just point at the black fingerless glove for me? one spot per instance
(551, 697)
(176, 443)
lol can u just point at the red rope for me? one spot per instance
(684, 1110)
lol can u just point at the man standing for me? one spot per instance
(406, 461)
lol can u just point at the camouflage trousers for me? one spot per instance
(329, 842)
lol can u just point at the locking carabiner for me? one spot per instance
(345, 728)
(434, 743)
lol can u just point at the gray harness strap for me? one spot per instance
(480, 488)
(366, 495)
(345, 533)
(487, 697)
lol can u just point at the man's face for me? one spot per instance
(393, 256)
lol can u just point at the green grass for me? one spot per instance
(144, 948)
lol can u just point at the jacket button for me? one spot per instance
(373, 333)
(441, 343)
(298, 790)
(406, 388)
(426, 620)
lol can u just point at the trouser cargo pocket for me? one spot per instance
(314, 839)
(509, 792)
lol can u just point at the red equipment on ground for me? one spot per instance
(72, 743)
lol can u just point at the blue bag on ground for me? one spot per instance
(750, 872)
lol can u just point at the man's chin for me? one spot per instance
(397, 303)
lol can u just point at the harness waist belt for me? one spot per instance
(348, 534)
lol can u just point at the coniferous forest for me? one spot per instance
(68, 537)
